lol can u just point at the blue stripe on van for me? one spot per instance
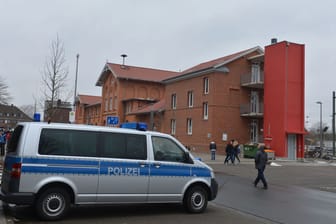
(201, 172)
(91, 167)
(60, 170)
(122, 166)
(170, 170)
(61, 161)
(60, 166)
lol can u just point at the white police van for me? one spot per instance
(54, 166)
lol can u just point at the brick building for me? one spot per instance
(132, 93)
(88, 109)
(217, 101)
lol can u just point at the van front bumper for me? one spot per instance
(214, 189)
(17, 198)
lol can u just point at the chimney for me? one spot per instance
(274, 40)
(123, 63)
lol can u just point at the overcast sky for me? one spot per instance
(163, 34)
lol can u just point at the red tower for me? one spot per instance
(284, 99)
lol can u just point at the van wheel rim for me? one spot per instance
(54, 204)
(197, 200)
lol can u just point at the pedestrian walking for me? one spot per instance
(2, 143)
(236, 150)
(229, 152)
(213, 149)
(260, 164)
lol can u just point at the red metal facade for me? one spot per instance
(284, 99)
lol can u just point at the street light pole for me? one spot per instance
(321, 131)
(333, 121)
(74, 104)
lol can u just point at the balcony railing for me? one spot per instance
(253, 80)
(247, 110)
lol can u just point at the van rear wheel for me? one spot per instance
(53, 204)
(196, 199)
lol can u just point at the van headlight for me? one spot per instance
(212, 174)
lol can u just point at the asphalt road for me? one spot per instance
(298, 193)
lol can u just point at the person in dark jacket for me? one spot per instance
(229, 153)
(213, 149)
(236, 151)
(260, 161)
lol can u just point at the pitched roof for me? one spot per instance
(89, 100)
(135, 73)
(216, 64)
(220, 61)
(11, 109)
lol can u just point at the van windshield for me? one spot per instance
(14, 139)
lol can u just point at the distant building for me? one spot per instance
(57, 111)
(10, 115)
(88, 109)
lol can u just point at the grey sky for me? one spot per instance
(172, 35)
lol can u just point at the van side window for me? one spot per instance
(167, 150)
(67, 142)
(14, 140)
(124, 146)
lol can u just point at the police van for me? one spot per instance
(54, 166)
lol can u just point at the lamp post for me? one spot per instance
(74, 104)
(321, 131)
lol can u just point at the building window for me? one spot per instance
(128, 107)
(173, 101)
(205, 111)
(254, 131)
(190, 99)
(206, 85)
(115, 102)
(189, 126)
(255, 78)
(172, 126)
(111, 104)
(106, 105)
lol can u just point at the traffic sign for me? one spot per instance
(112, 120)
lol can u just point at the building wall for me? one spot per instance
(284, 97)
(224, 99)
(117, 93)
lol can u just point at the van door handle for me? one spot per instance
(157, 165)
(142, 164)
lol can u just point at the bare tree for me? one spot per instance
(29, 110)
(54, 77)
(5, 97)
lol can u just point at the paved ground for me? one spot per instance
(315, 174)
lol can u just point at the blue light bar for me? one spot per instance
(135, 125)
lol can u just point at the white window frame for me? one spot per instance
(205, 111)
(173, 101)
(189, 126)
(173, 126)
(206, 85)
(190, 99)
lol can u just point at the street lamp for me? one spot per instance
(321, 132)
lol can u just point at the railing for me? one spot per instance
(252, 111)
(252, 80)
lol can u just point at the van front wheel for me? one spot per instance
(196, 200)
(53, 204)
